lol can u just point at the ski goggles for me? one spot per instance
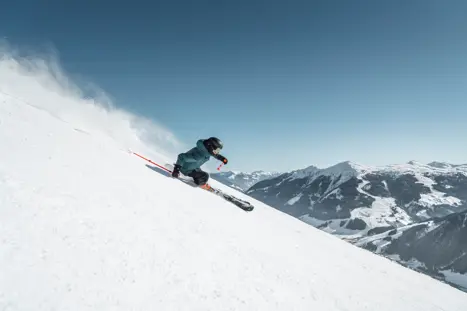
(216, 151)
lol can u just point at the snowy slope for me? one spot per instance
(87, 226)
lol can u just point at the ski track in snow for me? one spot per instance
(87, 226)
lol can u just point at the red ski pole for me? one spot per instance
(151, 162)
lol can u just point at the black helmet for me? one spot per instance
(214, 145)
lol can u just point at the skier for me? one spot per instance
(189, 163)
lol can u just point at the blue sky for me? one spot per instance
(285, 84)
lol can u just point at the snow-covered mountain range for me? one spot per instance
(351, 199)
(243, 180)
(354, 201)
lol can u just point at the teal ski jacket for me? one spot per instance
(193, 158)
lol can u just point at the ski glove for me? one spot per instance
(176, 171)
(222, 159)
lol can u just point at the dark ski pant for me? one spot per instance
(199, 176)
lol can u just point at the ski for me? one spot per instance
(244, 205)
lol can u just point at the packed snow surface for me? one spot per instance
(87, 226)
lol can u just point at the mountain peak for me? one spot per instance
(349, 165)
(347, 168)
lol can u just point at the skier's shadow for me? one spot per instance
(158, 170)
(167, 174)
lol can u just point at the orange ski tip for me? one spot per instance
(206, 186)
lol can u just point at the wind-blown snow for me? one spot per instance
(87, 226)
(41, 83)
